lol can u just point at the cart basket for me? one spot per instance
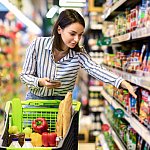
(22, 113)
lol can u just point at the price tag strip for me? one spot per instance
(141, 33)
(139, 128)
(114, 135)
(140, 81)
(121, 38)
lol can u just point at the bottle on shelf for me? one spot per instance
(15, 143)
(27, 143)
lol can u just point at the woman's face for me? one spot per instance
(71, 35)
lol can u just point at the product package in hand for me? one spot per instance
(55, 81)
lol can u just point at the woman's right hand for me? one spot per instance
(46, 83)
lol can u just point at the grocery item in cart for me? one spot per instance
(27, 143)
(47, 109)
(64, 115)
(59, 123)
(67, 111)
(15, 143)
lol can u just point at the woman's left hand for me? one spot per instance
(130, 88)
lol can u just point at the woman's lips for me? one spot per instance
(73, 44)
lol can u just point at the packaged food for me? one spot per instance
(145, 107)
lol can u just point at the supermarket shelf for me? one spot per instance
(134, 35)
(113, 8)
(103, 141)
(141, 33)
(121, 38)
(140, 81)
(95, 88)
(140, 129)
(103, 118)
(119, 6)
(97, 109)
(96, 26)
(114, 135)
(87, 146)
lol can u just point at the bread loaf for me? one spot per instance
(67, 112)
(59, 124)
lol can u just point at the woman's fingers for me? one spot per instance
(130, 88)
(131, 91)
(46, 82)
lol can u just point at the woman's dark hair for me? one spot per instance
(66, 18)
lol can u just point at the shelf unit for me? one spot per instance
(95, 88)
(140, 129)
(117, 7)
(111, 11)
(103, 141)
(121, 38)
(114, 135)
(95, 104)
(133, 39)
(142, 33)
(133, 78)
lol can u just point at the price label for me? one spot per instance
(118, 113)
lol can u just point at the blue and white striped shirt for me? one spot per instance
(39, 63)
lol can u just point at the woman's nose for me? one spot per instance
(77, 38)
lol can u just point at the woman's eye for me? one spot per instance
(72, 34)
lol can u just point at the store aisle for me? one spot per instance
(86, 146)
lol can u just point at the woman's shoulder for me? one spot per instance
(42, 38)
(44, 42)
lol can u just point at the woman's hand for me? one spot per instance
(128, 86)
(46, 82)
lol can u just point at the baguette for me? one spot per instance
(67, 112)
(59, 123)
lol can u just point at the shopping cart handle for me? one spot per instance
(7, 107)
(41, 102)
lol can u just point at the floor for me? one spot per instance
(86, 146)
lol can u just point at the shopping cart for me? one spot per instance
(21, 114)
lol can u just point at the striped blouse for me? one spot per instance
(39, 63)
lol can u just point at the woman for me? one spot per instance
(59, 58)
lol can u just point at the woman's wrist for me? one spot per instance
(123, 84)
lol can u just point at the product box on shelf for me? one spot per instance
(145, 107)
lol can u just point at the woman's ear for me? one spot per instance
(59, 30)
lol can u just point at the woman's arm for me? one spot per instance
(101, 73)
(28, 74)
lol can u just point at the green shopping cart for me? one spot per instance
(21, 114)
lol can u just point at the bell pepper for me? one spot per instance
(49, 139)
(52, 139)
(45, 138)
(39, 125)
(36, 139)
